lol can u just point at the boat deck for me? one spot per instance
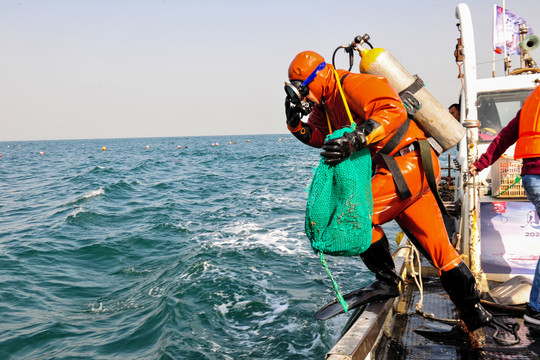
(385, 329)
(405, 343)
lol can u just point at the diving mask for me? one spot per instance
(297, 91)
(296, 94)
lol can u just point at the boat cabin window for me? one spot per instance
(496, 109)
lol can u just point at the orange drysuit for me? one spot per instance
(375, 105)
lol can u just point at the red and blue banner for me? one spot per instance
(509, 22)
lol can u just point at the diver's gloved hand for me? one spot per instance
(337, 150)
(293, 113)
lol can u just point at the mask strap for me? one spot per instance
(313, 74)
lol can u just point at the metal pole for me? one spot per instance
(493, 38)
(472, 194)
(506, 63)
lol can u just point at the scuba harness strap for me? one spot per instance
(427, 164)
(412, 104)
(425, 155)
(391, 163)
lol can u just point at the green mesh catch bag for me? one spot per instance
(340, 208)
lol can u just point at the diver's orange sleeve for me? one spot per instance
(372, 97)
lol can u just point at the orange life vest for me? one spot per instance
(528, 143)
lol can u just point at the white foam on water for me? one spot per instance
(223, 308)
(292, 327)
(154, 292)
(278, 305)
(189, 275)
(130, 270)
(74, 213)
(94, 193)
(241, 304)
(255, 270)
(281, 241)
(97, 309)
(305, 352)
(251, 235)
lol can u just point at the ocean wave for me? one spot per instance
(94, 193)
(131, 271)
(121, 187)
(84, 198)
(80, 216)
(177, 228)
(199, 252)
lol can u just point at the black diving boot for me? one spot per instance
(460, 284)
(379, 260)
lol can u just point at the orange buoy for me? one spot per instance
(41, 153)
(148, 146)
(104, 148)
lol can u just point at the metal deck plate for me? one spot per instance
(404, 343)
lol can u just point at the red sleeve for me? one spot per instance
(506, 137)
(319, 126)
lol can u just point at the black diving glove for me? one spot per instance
(337, 150)
(293, 113)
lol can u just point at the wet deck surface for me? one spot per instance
(407, 344)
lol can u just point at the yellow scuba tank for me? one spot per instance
(434, 119)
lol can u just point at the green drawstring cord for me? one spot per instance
(334, 283)
(518, 178)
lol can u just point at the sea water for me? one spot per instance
(163, 248)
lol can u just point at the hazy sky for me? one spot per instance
(130, 68)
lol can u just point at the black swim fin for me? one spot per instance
(443, 332)
(378, 290)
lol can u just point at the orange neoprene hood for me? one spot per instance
(304, 64)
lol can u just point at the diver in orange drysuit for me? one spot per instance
(379, 112)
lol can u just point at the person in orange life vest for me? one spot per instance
(378, 111)
(524, 130)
